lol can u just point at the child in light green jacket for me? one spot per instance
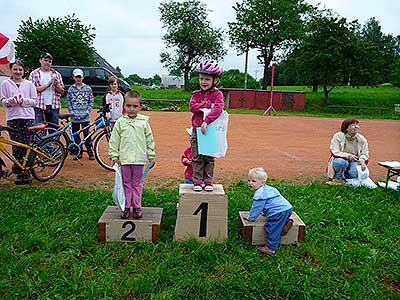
(131, 146)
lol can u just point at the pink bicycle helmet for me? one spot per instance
(209, 66)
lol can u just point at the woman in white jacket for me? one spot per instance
(348, 150)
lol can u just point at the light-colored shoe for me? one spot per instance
(197, 188)
(336, 182)
(208, 188)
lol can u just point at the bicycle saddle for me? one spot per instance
(37, 127)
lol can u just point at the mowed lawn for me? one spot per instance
(49, 249)
(365, 96)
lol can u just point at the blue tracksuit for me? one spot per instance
(277, 210)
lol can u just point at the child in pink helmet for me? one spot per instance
(207, 97)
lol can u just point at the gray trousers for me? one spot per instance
(203, 165)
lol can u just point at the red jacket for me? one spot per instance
(189, 169)
(211, 99)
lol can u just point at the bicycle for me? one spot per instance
(46, 129)
(43, 160)
(100, 140)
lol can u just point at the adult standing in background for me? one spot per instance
(348, 150)
(50, 87)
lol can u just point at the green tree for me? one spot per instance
(189, 35)
(364, 63)
(331, 54)
(67, 39)
(395, 73)
(134, 79)
(387, 45)
(235, 79)
(371, 31)
(156, 79)
(286, 73)
(270, 26)
(230, 79)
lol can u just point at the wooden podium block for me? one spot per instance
(254, 233)
(202, 215)
(114, 229)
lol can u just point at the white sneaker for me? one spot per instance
(208, 188)
(197, 188)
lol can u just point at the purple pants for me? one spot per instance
(133, 185)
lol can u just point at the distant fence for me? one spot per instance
(260, 99)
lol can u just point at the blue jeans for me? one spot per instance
(76, 127)
(273, 228)
(47, 115)
(345, 167)
(188, 181)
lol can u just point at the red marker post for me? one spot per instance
(271, 94)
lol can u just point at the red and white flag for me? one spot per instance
(7, 50)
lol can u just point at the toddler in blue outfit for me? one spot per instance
(268, 201)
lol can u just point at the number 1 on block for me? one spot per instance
(203, 218)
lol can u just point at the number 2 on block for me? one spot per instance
(125, 236)
(203, 218)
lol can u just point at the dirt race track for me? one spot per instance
(294, 149)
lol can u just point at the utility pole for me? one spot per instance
(245, 67)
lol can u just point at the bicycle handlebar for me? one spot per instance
(53, 125)
(65, 116)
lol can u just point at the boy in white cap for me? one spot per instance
(80, 102)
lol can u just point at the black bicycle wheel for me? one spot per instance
(101, 150)
(63, 137)
(47, 166)
(37, 138)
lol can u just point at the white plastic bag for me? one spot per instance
(118, 191)
(221, 130)
(362, 179)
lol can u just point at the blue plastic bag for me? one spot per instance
(214, 143)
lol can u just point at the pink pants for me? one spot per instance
(133, 185)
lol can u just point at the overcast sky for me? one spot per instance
(129, 33)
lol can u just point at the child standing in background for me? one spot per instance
(186, 160)
(131, 146)
(207, 97)
(19, 98)
(112, 103)
(80, 103)
(277, 209)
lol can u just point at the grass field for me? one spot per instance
(49, 249)
(383, 96)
